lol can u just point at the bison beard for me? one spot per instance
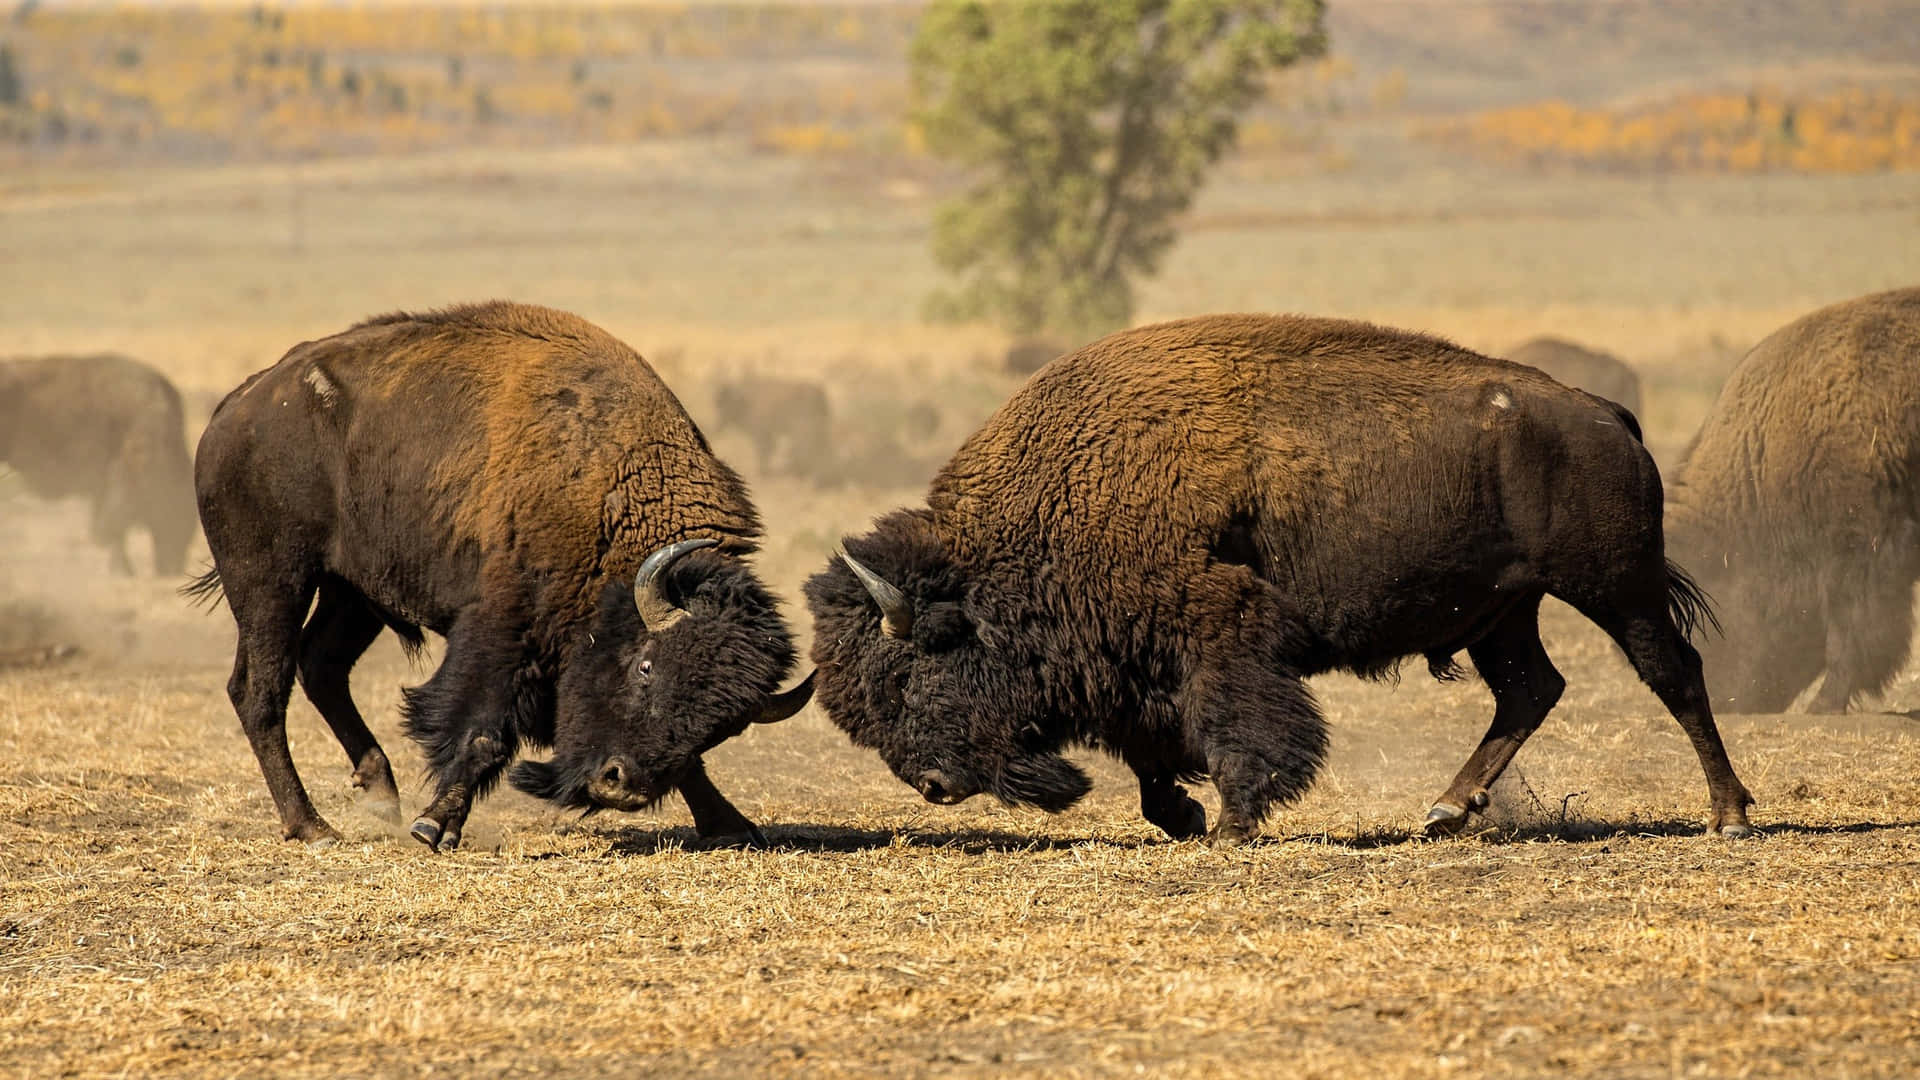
(1153, 543)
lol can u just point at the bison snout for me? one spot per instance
(937, 787)
(615, 785)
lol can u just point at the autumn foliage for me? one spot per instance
(1844, 131)
(325, 79)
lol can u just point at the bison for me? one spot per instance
(110, 429)
(1152, 544)
(1595, 372)
(497, 474)
(787, 420)
(1797, 506)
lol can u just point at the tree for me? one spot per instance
(1087, 124)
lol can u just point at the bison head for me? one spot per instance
(914, 662)
(677, 663)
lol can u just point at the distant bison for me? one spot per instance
(497, 474)
(110, 429)
(787, 420)
(1798, 506)
(1595, 372)
(1028, 355)
(1153, 543)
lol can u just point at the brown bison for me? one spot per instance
(1595, 372)
(1152, 545)
(110, 429)
(496, 474)
(1797, 505)
(787, 420)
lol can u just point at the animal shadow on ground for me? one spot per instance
(1579, 831)
(842, 840)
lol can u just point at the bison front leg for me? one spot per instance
(1263, 738)
(714, 818)
(1163, 802)
(467, 718)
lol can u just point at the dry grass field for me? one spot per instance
(151, 922)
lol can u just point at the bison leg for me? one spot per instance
(1525, 688)
(1263, 738)
(1165, 803)
(465, 717)
(1869, 629)
(715, 818)
(1668, 664)
(339, 631)
(107, 524)
(263, 673)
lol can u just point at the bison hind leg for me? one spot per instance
(338, 632)
(1525, 686)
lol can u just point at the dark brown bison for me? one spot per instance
(788, 421)
(110, 429)
(497, 474)
(1595, 372)
(1160, 536)
(1799, 506)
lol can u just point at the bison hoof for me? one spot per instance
(427, 831)
(1229, 834)
(315, 834)
(1737, 830)
(1444, 820)
(1185, 821)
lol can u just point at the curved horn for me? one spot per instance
(787, 702)
(656, 611)
(896, 614)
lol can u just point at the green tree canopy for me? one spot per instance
(1089, 125)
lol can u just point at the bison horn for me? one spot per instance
(656, 611)
(896, 615)
(786, 703)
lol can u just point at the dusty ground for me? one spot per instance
(152, 923)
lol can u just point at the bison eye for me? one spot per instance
(646, 669)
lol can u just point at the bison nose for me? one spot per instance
(935, 787)
(615, 772)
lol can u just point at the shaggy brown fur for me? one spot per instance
(107, 428)
(1586, 369)
(1152, 544)
(494, 473)
(1798, 506)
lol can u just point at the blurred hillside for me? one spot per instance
(1640, 85)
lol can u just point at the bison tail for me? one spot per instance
(204, 590)
(1688, 604)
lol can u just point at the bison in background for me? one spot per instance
(1798, 505)
(1152, 544)
(109, 429)
(787, 420)
(519, 482)
(1586, 369)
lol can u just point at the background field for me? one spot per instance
(151, 922)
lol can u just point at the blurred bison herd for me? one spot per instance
(1146, 549)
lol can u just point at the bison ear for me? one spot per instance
(656, 611)
(896, 612)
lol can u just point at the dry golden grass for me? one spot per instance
(150, 922)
